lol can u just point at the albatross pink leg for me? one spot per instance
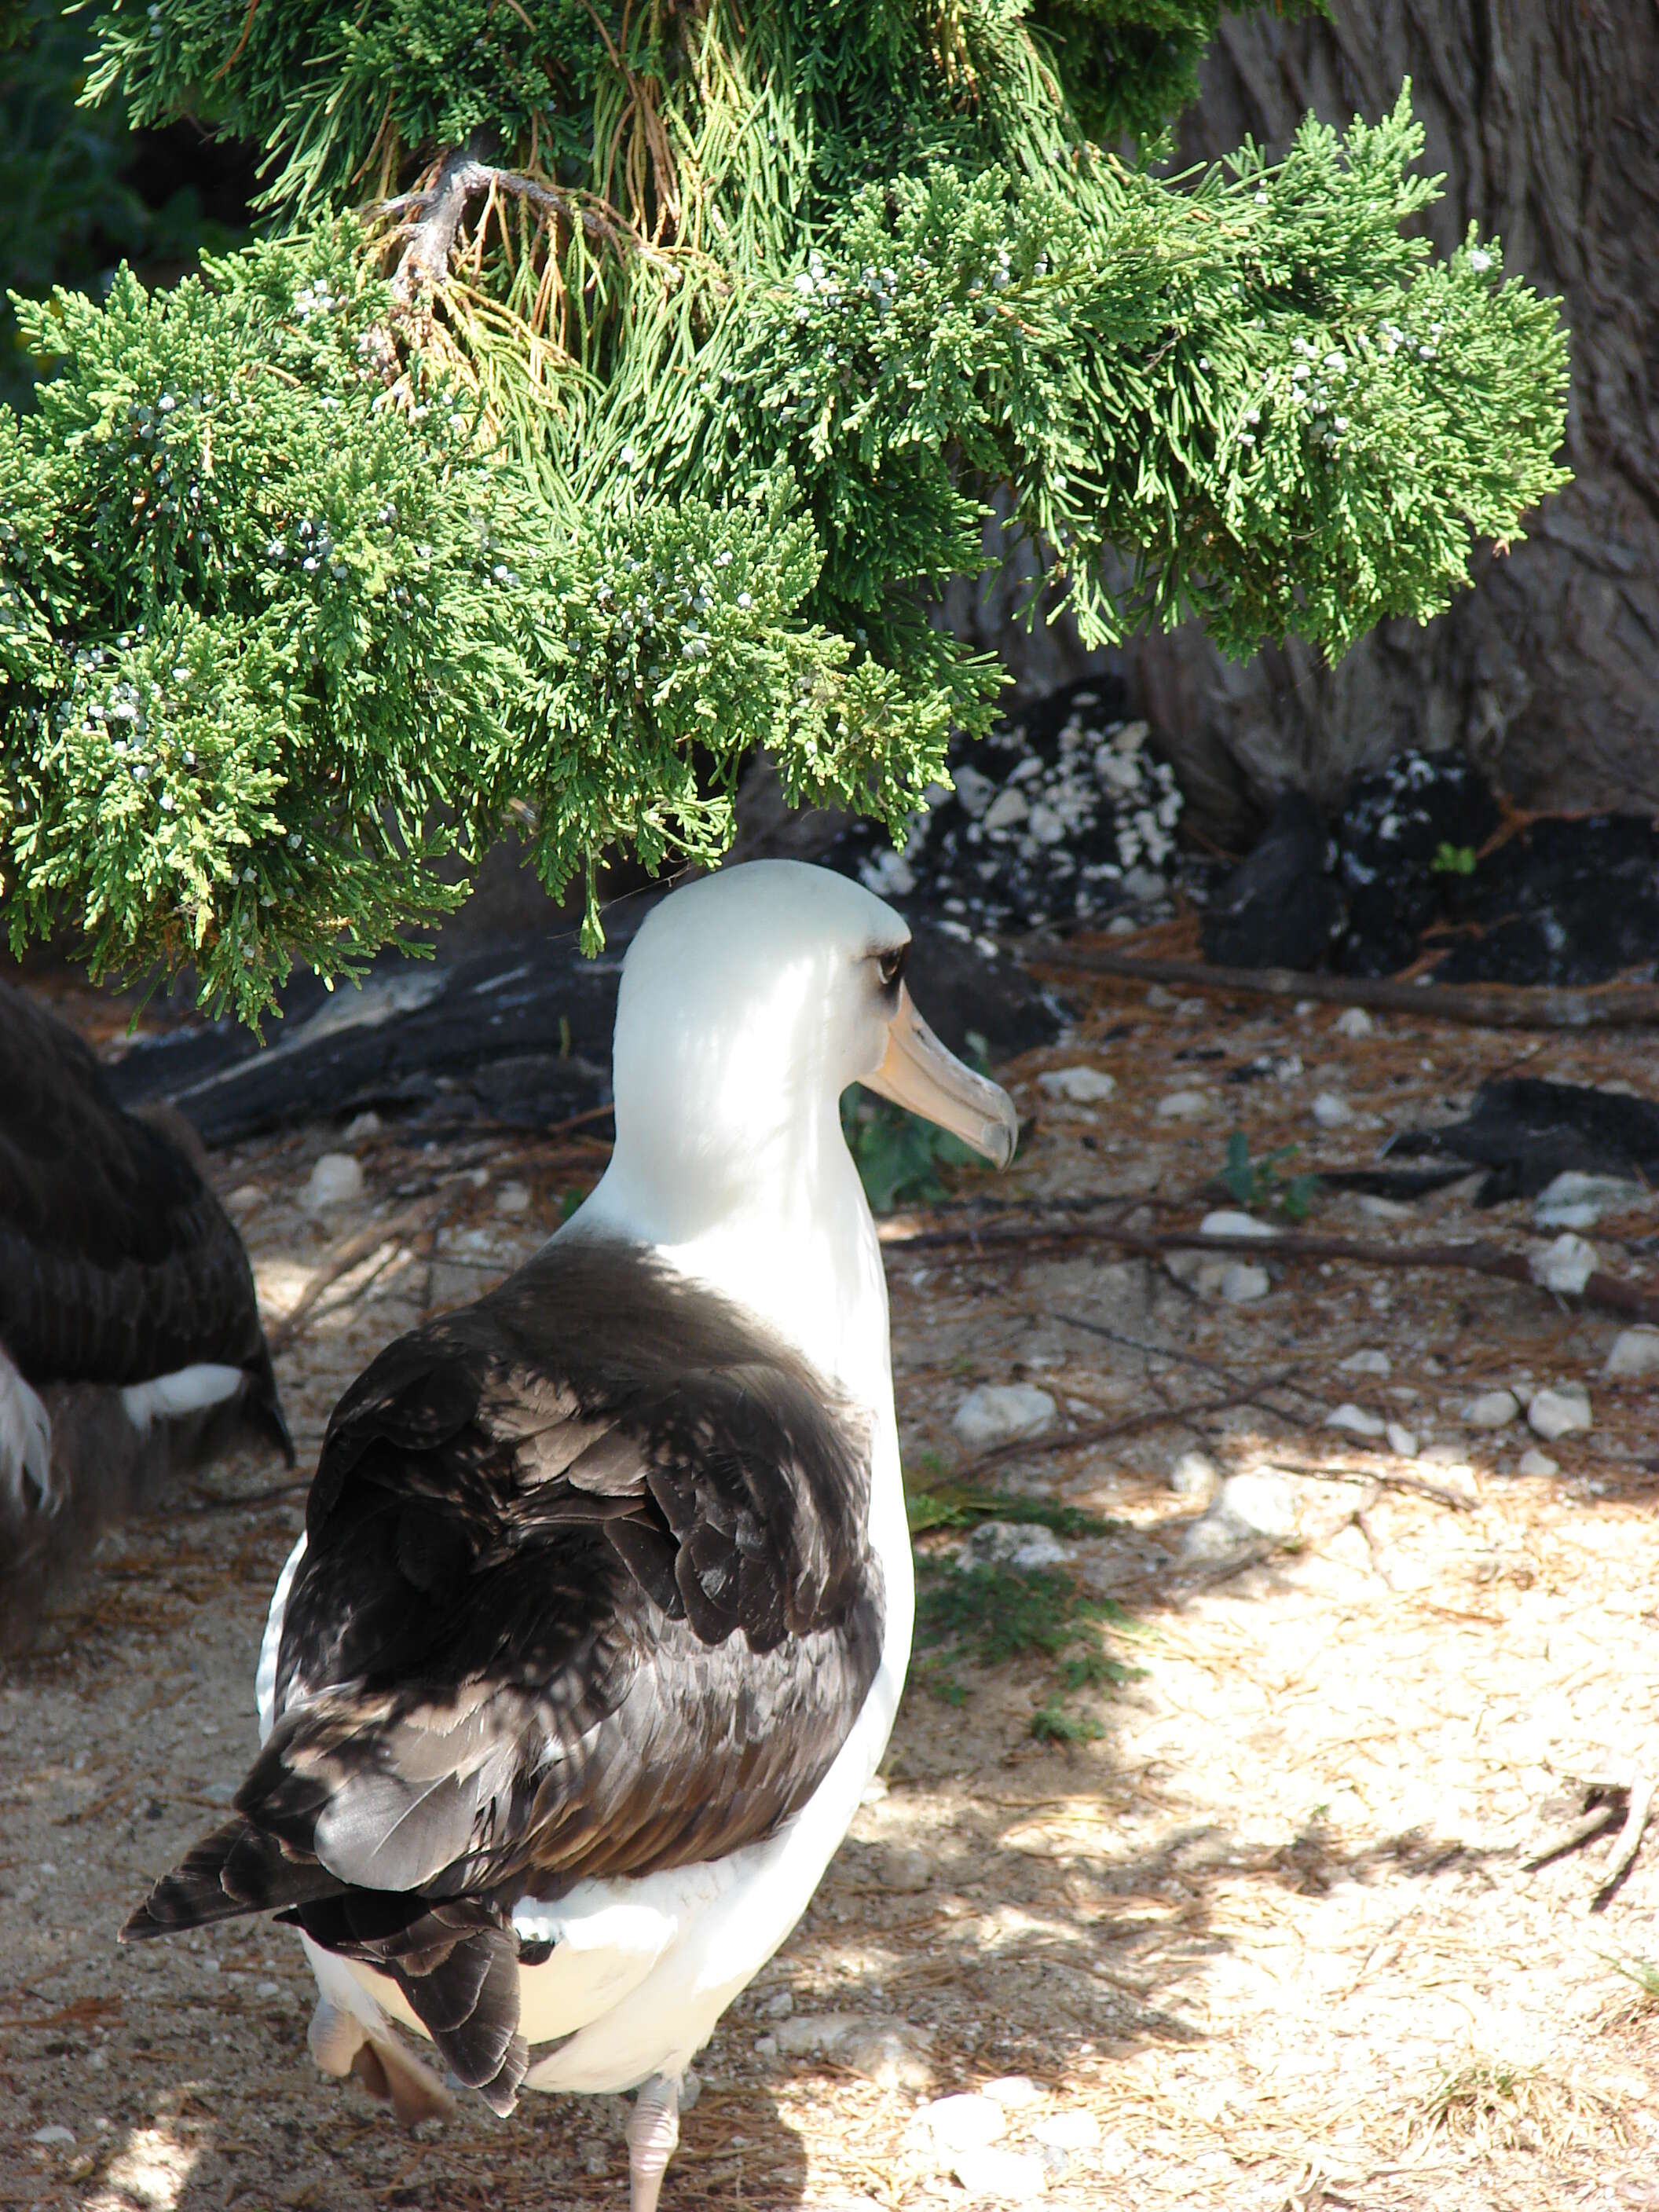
(653, 2132)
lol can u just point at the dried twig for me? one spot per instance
(356, 1249)
(1637, 1816)
(1415, 1486)
(1477, 1257)
(1132, 1425)
(1610, 1005)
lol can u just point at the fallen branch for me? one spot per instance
(1513, 1006)
(1610, 1293)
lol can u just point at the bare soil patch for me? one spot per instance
(1271, 1929)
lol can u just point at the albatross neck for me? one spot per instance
(789, 1237)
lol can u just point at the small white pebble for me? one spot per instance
(1185, 1106)
(1635, 1351)
(513, 1198)
(1011, 2091)
(965, 2122)
(997, 1411)
(1367, 1362)
(1242, 1283)
(1356, 1420)
(335, 1180)
(1565, 1266)
(1068, 2131)
(1077, 1086)
(1559, 1412)
(1402, 1440)
(1533, 1461)
(1331, 1111)
(1353, 1021)
(1227, 1223)
(267, 1989)
(52, 2135)
(1490, 1409)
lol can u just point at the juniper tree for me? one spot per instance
(615, 389)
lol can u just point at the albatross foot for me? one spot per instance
(341, 2044)
(653, 2133)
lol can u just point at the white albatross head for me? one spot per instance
(750, 1001)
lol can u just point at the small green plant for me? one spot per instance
(1643, 1971)
(993, 1615)
(1254, 1183)
(955, 1506)
(1453, 861)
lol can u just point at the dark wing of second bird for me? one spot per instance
(118, 1263)
(587, 1593)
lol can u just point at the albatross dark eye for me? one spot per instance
(889, 966)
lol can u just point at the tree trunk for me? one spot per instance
(1540, 115)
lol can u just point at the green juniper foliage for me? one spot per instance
(312, 578)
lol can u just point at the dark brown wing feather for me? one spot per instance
(117, 1261)
(587, 1593)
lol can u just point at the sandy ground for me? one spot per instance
(1268, 1942)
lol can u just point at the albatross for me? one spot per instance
(597, 1630)
(130, 1336)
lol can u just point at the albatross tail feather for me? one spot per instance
(237, 1869)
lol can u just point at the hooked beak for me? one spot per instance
(918, 1073)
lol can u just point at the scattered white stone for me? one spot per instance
(1012, 2091)
(367, 1124)
(336, 1180)
(1009, 2177)
(1246, 1507)
(964, 2122)
(513, 1198)
(890, 2052)
(1242, 1283)
(1077, 1086)
(1230, 1222)
(1185, 1106)
(247, 1198)
(1195, 1474)
(1068, 2131)
(1635, 1351)
(53, 2135)
(1558, 1412)
(1563, 1266)
(1356, 1420)
(1577, 1201)
(1365, 1362)
(1354, 1022)
(1012, 1543)
(1490, 1409)
(766, 2046)
(1007, 809)
(1158, 999)
(1402, 1440)
(267, 1989)
(1332, 1111)
(997, 1411)
(1533, 1461)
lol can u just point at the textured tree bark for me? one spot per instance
(1542, 115)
